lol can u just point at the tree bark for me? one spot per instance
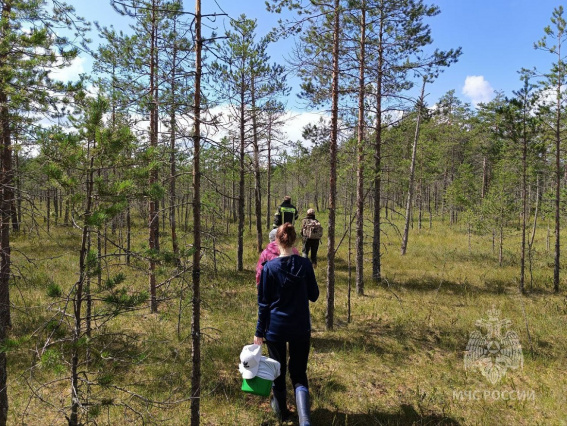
(412, 171)
(269, 180)
(78, 301)
(524, 195)
(153, 217)
(172, 159)
(376, 249)
(196, 275)
(360, 160)
(5, 207)
(557, 266)
(241, 195)
(257, 181)
(329, 316)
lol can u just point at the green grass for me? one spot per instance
(398, 362)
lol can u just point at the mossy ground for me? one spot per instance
(398, 361)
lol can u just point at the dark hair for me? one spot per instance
(286, 235)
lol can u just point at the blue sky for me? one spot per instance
(497, 38)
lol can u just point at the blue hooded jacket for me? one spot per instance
(287, 284)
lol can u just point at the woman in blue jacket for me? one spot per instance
(287, 284)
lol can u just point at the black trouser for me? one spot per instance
(312, 245)
(298, 355)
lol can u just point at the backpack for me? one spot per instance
(312, 229)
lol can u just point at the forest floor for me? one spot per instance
(398, 359)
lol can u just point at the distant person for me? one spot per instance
(311, 231)
(286, 213)
(287, 284)
(270, 252)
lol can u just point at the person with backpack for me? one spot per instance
(311, 231)
(286, 213)
(287, 285)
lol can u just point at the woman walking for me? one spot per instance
(287, 284)
(311, 231)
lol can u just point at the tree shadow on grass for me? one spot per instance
(399, 340)
(436, 284)
(325, 345)
(406, 415)
(428, 283)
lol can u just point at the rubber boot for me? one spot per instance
(302, 403)
(279, 405)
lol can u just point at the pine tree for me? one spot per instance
(555, 80)
(139, 66)
(247, 84)
(29, 47)
(196, 273)
(521, 127)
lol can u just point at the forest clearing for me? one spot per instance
(399, 361)
(136, 197)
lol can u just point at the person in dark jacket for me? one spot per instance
(286, 213)
(287, 284)
(309, 244)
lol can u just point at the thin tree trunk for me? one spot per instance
(524, 201)
(484, 177)
(48, 213)
(128, 234)
(78, 300)
(257, 182)
(153, 217)
(56, 205)
(501, 246)
(196, 275)
(269, 180)
(250, 197)
(5, 202)
(412, 171)
(534, 228)
(557, 266)
(172, 159)
(66, 217)
(234, 200)
(376, 249)
(429, 208)
(240, 248)
(349, 283)
(329, 315)
(16, 196)
(360, 161)
(19, 189)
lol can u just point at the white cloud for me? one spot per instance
(296, 121)
(478, 89)
(70, 73)
(293, 123)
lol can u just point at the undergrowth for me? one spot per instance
(398, 360)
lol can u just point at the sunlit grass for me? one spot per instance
(399, 361)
